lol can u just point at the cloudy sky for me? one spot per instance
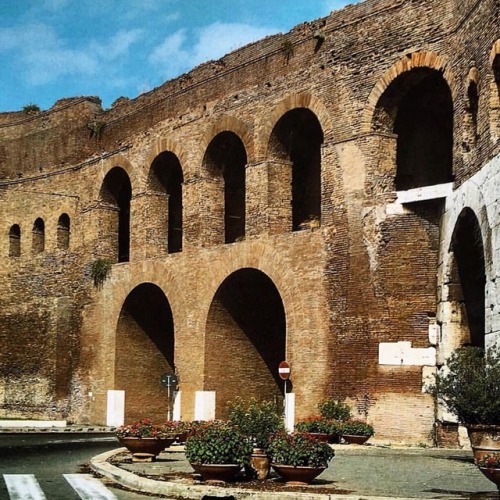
(50, 49)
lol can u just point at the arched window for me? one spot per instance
(15, 241)
(38, 236)
(63, 232)
(297, 138)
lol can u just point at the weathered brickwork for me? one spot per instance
(308, 197)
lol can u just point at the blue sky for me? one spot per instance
(50, 49)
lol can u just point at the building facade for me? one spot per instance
(329, 196)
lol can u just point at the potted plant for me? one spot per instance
(297, 457)
(257, 420)
(321, 428)
(144, 439)
(356, 431)
(217, 450)
(178, 429)
(489, 465)
(469, 386)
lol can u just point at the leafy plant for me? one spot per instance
(144, 428)
(334, 409)
(299, 449)
(96, 129)
(469, 385)
(256, 420)
(287, 49)
(218, 443)
(100, 271)
(490, 461)
(357, 428)
(319, 424)
(31, 109)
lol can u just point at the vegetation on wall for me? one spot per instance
(31, 109)
(287, 49)
(100, 271)
(96, 129)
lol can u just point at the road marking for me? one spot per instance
(23, 487)
(88, 487)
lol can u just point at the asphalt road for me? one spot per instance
(52, 467)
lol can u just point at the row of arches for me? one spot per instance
(38, 236)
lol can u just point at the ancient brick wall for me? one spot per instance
(335, 277)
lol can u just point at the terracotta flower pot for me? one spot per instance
(260, 465)
(355, 439)
(484, 439)
(145, 446)
(492, 474)
(217, 472)
(297, 474)
(320, 436)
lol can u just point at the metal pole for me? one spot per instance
(169, 410)
(284, 406)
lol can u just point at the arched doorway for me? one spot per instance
(116, 192)
(297, 138)
(467, 280)
(245, 339)
(144, 351)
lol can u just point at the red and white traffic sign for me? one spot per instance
(284, 370)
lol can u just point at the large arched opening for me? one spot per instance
(245, 339)
(297, 138)
(144, 351)
(116, 192)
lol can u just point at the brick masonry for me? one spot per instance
(307, 137)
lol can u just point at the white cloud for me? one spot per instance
(182, 51)
(117, 46)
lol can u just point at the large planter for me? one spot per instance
(297, 474)
(217, 472)
(355, 439)
(320, 436)
(484, 439)
(492, 474)
(148, 446)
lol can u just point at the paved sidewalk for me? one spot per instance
(356, 472)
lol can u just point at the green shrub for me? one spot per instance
(357, 428)
(255, 420)
(100, 271)
(469, 385)
(298, 449)
(334, 409)
(319, 424)
(218, 443)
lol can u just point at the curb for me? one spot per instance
(100, 465)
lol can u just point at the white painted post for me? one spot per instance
(204, 405)
(115, 408)
(290, 411)
(177, 405)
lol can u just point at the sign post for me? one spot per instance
(169, 380)
(284, 373)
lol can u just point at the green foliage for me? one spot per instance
(287, 49)
(319, 424)
(144, 428)
(100, 271)
(96, 129)
(256, 420)
(298, 449)
(218, 443)
(356, 428)
(31, 109)
(334, 409)
(469, 385)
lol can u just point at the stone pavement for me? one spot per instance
(356, 472)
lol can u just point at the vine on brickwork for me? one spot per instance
(100, 271)
(96, 129)
(287, 49)
(31, 109)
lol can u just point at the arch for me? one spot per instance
(167, 144)
(468, 276)
(229, 124)
(495, 91)
(293, 101)
(144, 346)
(166, 176)
(224, 163)
(254, 343)
(414, 60)
(296, 139)
(108, 165)
(15, 241)
(417, 107)
(38, 236)
(116, 193)
(63, 231)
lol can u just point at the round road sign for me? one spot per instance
(284, 370)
